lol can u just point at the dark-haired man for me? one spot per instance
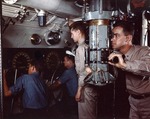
(137, 58)
(86, 94)
(34, 96)
(70, 80)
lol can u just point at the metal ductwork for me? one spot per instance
(60, 7)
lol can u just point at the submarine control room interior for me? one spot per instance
(40, 30)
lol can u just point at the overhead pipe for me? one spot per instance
(51, 19)
(11, 11)
(60, 7)
(9, 14)
(144, 37)
(11, 7)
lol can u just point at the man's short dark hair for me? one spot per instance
(38, 65)
(128, 27)
(79, 25)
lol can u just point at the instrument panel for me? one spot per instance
(19, 58)
(52, 60)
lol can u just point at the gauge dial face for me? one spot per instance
(21, 60)
(52, 60)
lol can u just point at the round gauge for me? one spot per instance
(52, 60)
(21, 60)
(10, 1)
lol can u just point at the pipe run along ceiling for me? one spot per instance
(60, 7)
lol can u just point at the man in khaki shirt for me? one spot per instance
(137, 60)
(86, 95)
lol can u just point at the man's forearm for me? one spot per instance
(7, 92)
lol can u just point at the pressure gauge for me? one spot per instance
(10, 1)
(21, 60)
(52, 60)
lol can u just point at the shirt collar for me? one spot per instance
(130, 52)
(35, 73)
(81, 41)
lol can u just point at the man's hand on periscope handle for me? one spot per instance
(120, 64)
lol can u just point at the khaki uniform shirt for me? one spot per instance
(138, 58)
(80, 62)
